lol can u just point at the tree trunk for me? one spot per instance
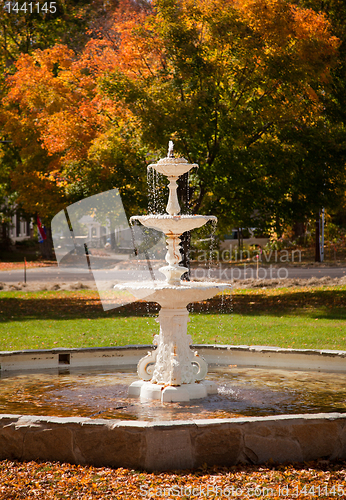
(5, 240)
(298, 231)
(185, 247)
(184, 197)
(183, 193)
(112, 236)
(240, 238)
(46, 247)
(317, 238)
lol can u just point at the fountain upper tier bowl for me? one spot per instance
(173, 296)
(174, 224)
(172, 167)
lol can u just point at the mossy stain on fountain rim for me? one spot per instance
(63, 350)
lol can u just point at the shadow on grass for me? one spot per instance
(328, 304)
(17, 309)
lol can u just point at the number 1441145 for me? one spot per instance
(30, 7)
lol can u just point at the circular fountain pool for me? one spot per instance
(242, 392)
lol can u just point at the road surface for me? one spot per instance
(55, 274)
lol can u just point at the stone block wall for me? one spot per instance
(173, 445)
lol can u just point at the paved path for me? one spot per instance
(271, 272)
(55, 274)
(45, 274)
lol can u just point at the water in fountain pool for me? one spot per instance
(241, 392)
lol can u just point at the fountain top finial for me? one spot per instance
(170, 166)
(170, 153)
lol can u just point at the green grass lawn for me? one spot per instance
(297, 317)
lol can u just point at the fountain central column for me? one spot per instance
(173, 271)
(174, 357)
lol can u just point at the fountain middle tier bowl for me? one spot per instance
(173, 296)
(174, 224)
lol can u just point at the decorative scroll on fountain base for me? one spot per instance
(173, 372)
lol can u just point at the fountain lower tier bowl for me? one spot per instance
(173, 296)
(173, 224)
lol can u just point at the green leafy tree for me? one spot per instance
(225, 80)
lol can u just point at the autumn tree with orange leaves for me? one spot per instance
(24, 30)
(239, 86)
(70, 145)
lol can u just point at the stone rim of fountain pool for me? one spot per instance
(191, 443)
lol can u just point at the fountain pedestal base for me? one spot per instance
(173, 371)
(147, 391)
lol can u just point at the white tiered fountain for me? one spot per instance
(173, 372)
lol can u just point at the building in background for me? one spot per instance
(20, 229)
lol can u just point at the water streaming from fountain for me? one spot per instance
(173, 372)
(156, 188)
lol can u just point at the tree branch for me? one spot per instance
(258, 134)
